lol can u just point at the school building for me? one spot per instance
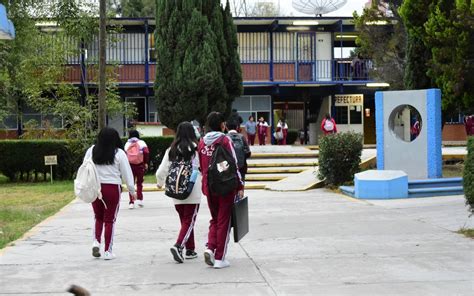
(297, 67)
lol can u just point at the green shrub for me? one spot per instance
(20, 157)
(292, 136)
(339, 157)
(26, 157)
(157, 147)
(468, 175)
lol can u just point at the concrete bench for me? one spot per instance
(381, 184)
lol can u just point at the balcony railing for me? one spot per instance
(254, 72)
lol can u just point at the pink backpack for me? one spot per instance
(134, 154)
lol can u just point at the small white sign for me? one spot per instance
(51, 160)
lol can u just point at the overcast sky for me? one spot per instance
(347, 10)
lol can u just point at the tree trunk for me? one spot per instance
(102, 64)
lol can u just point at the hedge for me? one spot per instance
(339, 157)
(468, 175)
(20, 157)
(26, 157)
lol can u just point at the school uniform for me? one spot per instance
(110, 177)
(262, 132)
(138, 170)
(219, 206)
(251, 129)
(188, 208)
(283, 128)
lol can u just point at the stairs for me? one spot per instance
(435, 187)
(270, 164)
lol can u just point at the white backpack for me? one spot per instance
(87, 184)
(328, 125)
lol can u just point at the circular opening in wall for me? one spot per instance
(405, 122)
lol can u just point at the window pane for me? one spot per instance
(242, 104)
(356, 114)
(341, 115)
(261, 103)
(10, 122)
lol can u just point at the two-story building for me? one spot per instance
(297, 67)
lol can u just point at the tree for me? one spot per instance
(449, 33)
(191, 53)
(138, 8)
(414, 14)
(382, 38)
(232, 70)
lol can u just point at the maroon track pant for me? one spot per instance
(187, 215)
(107, 217)
(251, 139)
(138, 171)
(219, 228)
(261, 139)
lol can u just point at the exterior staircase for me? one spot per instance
(271, 164)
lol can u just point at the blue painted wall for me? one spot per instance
(379, 128)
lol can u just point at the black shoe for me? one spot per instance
(177, 253)
(190, 254)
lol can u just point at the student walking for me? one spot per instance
(262, 127)
(328, 125)
(282, 131)
(138, 156)
(180, 168)
(251, 128)
(241, 148)
(112, 165)
(221, 183)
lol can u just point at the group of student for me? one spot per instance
(188, 171)
(260, 128)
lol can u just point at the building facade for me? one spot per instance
(294, 67)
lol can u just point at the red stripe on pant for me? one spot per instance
(107, 217)
(219, 228)
(138, 171)
(187, 215)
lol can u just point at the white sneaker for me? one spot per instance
(139, 203)
(221, 264)
(209, 257)
(131, 206)
(109, 255)
(96, 249)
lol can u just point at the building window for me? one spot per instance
(341, 115)
(256, 106)
(355, 114)
(254, 47)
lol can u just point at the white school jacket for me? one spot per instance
(162, 173)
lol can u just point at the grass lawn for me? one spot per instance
(150, 179)
(23, 205)
(468, 232)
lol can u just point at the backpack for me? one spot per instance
(222, 174)
(180, 180)
(87, 184)
(239, 148)
(328, 125)
(134, 154)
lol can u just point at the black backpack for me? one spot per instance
(239, 148)
(222, 174)
(178, 182)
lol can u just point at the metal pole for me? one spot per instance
(51, 172)
(102, 64)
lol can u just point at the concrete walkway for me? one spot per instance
(305, 243)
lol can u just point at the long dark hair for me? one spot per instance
(108, 141)
(133, 134)
(185, 142)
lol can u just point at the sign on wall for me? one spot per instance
(346, 100)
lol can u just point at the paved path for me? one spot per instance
(304, 243)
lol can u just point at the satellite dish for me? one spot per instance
(318, 7)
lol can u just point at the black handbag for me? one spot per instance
(240, 218)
